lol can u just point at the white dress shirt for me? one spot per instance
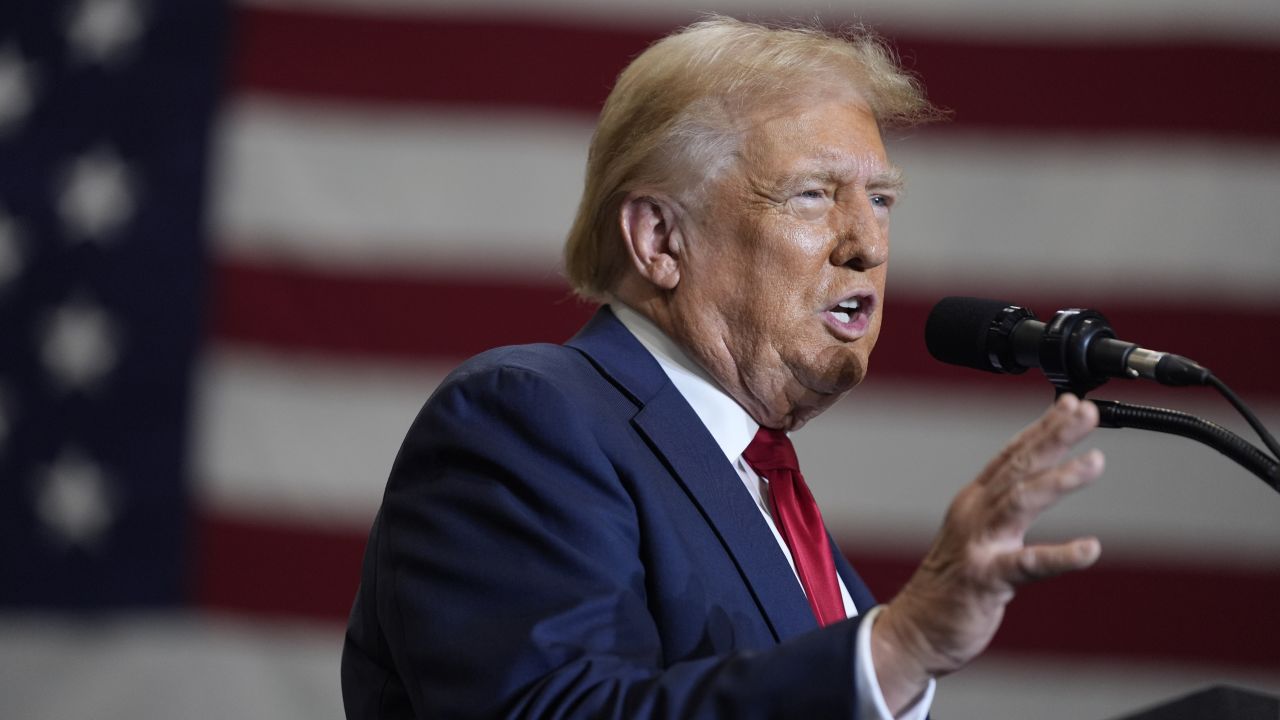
(733, 429)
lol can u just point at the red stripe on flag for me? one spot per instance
(1082, 86)
(276, 568)
(1122, 609)
(386, 316)
(417, 59)
(448, 317)
(1130, 609)
(1097, 87)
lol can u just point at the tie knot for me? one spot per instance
(771, 450)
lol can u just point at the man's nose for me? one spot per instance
(863, 242)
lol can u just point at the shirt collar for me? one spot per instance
(730, 425)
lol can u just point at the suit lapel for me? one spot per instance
(863, 600)
(686, 447)
(697, 463)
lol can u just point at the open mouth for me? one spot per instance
(853, 313)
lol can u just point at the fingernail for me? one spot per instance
(1089, 550)
(1092, 459)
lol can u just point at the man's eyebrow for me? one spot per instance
(891, 178)
(795, 179)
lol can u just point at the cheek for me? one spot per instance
(803, 245)
(878, 276)
(873, 334)
(794, 265)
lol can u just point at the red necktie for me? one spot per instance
(799, 521)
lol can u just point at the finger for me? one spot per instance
(1026, 499)
(1037, 562)
(1046, 441)
(1066, 423)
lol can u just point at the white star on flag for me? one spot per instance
(17, 94)
(98, 195)
(103, 31)
(72, 500)
(80, 344)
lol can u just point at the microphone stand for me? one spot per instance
(1063, 354)
(1077, 352)
(1113, 414)
(1075, 378)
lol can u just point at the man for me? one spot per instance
(616, 527)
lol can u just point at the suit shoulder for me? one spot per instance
(556, 365)
(523, 378)
(535, 357)
(528, 401)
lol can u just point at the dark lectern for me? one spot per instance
(1220, 702)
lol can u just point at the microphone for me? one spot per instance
(1076, 349)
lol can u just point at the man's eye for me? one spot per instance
(883, 201)
(810, 204)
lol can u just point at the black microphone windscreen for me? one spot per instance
(956, 331)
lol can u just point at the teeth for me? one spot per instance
(841, 316)
(851, 304)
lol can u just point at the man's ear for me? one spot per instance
(654, 240)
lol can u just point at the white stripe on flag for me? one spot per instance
(333, 186)
(342, 186)
(302, 439)
(314, 440)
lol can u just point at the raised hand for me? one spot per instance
(949, 610)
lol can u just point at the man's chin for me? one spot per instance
(820, 396)
(838, 371)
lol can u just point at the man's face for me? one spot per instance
(782, 280)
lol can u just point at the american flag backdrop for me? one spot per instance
(241, 243)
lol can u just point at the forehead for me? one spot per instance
(823, 136)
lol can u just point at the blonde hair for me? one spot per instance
(673, 120)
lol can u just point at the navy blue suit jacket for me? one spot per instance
(562, 537)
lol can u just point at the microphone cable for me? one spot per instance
(1249, 417)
